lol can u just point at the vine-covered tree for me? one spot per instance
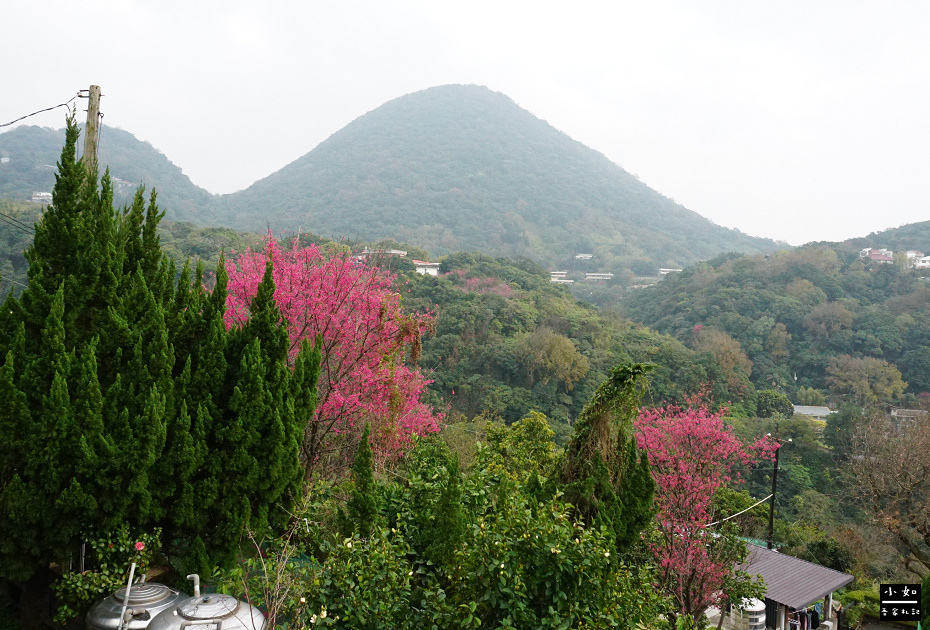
(603, 474)
(866, 380)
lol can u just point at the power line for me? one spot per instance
(24, 226)
(12, 222)
(738, 513)
(14, 282)
(47, 109)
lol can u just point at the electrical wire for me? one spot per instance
(13, 223)
(23, 225)
(47, 109)
(738, 513)
(14, 282)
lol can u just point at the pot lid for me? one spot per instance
(145, 594)
(210, 606)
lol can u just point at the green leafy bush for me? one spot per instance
(113, 556)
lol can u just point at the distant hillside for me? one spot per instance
(797, 313)
(27, 164)
(899, 239)
(464, 168)
(450, 168)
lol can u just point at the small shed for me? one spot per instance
(792, 583)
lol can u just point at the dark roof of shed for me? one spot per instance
(792, 581)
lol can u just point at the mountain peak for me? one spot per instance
(461, 167)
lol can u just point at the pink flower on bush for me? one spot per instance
(140, 546)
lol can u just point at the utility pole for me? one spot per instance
(772, 502)
(90, 129)
(771, 540)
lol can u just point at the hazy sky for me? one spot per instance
(794, 120)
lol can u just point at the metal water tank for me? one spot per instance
(146, 600)
(212, 611)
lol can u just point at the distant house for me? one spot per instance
(818, 413)
(366, 253)
(664, 271)
(560, 277)
(594, 277)
(915, 257)
(42, 197)
(426, 268)
(906, 417)
(882, 256)
(584, 256)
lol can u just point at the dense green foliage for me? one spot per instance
(126, 400)
(507, 341)
(821, 314)
(770, 402)
(179, 240)
(497, 559)
(362, 507)
(112, 556)
(33, 151)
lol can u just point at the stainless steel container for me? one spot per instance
(146, 600)
(212, 611)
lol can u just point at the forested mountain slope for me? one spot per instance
(450, 168)
(27, 164)
(507, 342)
(900, 239)
(817, 317)
(462, 168)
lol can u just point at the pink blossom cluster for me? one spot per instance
(366, 376)
(489, 286)
(692, 455)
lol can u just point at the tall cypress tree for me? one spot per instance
(126, 400)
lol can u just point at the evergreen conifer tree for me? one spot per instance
(126, 400)
(364, 505)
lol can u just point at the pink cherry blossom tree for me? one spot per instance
(693, 454)
(369, 348)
